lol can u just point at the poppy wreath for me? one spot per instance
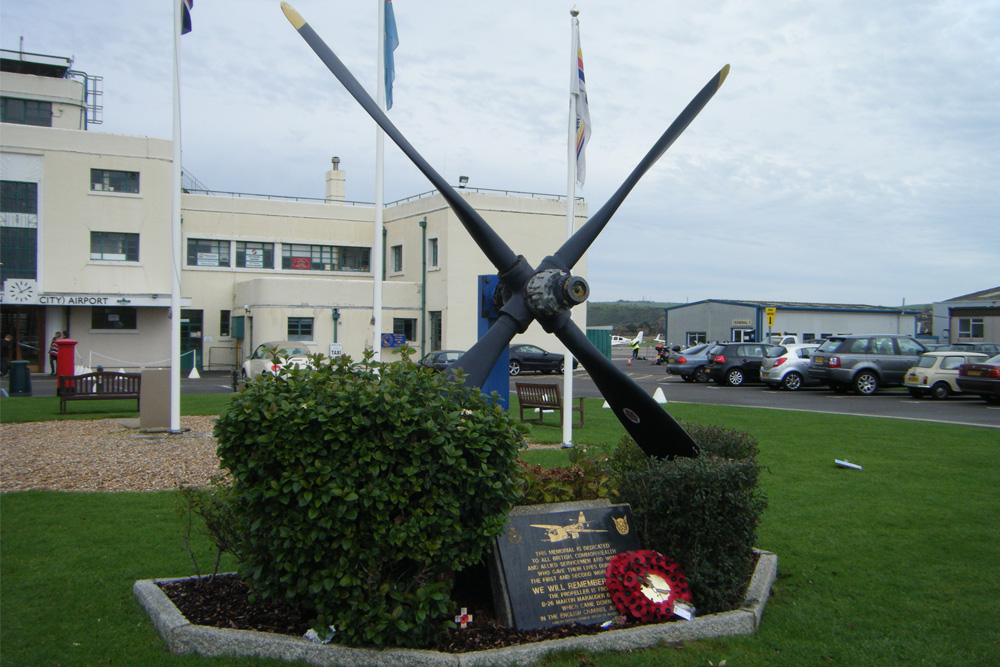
(629, 572)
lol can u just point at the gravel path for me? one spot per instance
(105, 455)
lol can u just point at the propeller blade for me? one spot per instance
(498, 252)
(575, 246)
(655, 431)
(478, 361)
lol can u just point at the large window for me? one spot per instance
(109, 180)
(300, 328)
(114, 246)
(254, 255)
(207, 252)
(18, 230)
(224, 323)
(971, 327)
(25, 112)
(324, 257)
(113, 317)
(397, 259)
(696, 337)
(405, 326)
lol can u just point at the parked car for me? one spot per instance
(982, 378)
(989, 349)
(525, 357)
(787, 366)
(734, 364)
(439, 359)
(864, 363)
(690, 363)
(274, 355)
(936, 373)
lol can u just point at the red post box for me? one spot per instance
(65, 362)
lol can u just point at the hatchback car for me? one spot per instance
(734, 364)
(525, 357)
(936, 373)
(690, 363)
(439, 359)
(864, 363)
(982, 378)
(787, 366)
(274, 355)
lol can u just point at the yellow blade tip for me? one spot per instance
(293, 16)
(723, 73)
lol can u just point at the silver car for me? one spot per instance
(274, 355)
(787, 366)
(690, 363)
(864, 363)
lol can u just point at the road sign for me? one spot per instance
(770, 315)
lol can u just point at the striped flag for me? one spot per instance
(186, 6)
(391, 42)
(582, 109)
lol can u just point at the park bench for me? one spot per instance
(531, 396)
(98, 386)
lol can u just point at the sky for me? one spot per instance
(852, 155)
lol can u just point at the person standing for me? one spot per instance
(54, 353)
(6, 347)
(635, 347)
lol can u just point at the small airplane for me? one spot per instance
(572, 531)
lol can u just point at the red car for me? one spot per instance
(982, 378)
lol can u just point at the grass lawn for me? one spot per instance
(892, 565)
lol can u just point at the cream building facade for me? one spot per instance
(86, 246)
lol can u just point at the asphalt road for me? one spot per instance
(887, 403)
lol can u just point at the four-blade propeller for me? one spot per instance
(549, 292)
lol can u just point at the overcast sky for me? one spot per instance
(852, 156)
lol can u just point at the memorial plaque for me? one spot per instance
(551, 562)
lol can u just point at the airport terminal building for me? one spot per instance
(86, 247)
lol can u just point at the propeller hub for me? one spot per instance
(554, 291)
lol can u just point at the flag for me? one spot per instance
(186, 6)
(582, 110)
(391, 42)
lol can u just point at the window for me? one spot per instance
(114, 246)
(397, 259)
(113, 318)
(108, 180)
(25, 112)
(206, 252)
(18, 230)
(324, 257)
(432, 253)
(224, 323)
(909, 346)
(696, 337)
(971, 327)
(435, 330)
(254, 255)
(405, 326)
(300, 328)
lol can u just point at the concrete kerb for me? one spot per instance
(184, 638)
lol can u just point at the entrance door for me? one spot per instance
(24, 323)
(191, 325)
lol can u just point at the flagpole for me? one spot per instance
(379, 191)
(567, 415)
(175, 237)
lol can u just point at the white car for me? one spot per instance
(936, 372)
(290, 354)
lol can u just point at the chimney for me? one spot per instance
(336, 185)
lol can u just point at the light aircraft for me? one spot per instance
(546, 293)
(570, 532)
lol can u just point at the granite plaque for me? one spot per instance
(551, 559)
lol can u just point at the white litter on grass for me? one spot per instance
(847, 464)
(313, 636)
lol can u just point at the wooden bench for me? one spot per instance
(99, 386)
(543, 397)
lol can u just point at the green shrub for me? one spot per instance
(362, 486)
(585, 478)
(219, 512)
(703, 512)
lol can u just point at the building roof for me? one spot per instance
(37, 64)
(795, 305)
(991, 294)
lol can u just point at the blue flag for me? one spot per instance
(391, 42)
(186, 6)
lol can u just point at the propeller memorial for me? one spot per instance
(546, 293)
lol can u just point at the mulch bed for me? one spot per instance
(224, 603)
